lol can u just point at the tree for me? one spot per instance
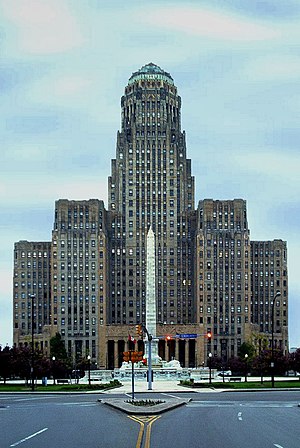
(262, 364)
(247, 349)
(260, 342)
(236, 365)
(294, 360)
(61, 364)
(21, 361)
(42, 365)
(5, 363)
(57, 348)
(216, 362)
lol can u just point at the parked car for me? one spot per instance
(292, 373)
(225, 373)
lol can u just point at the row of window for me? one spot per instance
(34, 254)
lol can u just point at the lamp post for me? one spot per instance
(32, 296)
(246, 367)
(53, 366)
(209, 357)
(272, 340)
(89, 367)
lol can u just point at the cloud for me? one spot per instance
(273, 67)
(271, 164)
(73, 90)
(42, 27)
(268, 9)
(32, 123)
(44, 189)
(211, 24)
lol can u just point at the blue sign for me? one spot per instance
(187, 336)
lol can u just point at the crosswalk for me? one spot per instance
(32, 405)
(254, 404)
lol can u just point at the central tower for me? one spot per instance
(151, 186)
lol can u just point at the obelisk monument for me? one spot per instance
(150, 296)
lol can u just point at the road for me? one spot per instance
(234, 420)
(216, 420)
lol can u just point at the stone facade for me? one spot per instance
(151, 185)
(94, 285)
(224, 274)
(269, 275)
(79, 276)
(32, 293)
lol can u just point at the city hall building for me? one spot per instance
(89, 282)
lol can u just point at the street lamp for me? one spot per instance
(209, 357)
(89, 367)
(272, 341)
(53, 365)
(32, 296)
(246, 367)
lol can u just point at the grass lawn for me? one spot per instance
(244, 385)
(22, 387)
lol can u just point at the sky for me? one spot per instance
(63, 68)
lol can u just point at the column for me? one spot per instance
(177, 349)
(186, 353)
(116, 355)
(167, 351)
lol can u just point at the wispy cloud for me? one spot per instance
(43, 189)
(199, 21)
(284, 167)
(63, 68)
(273, 67)
(41, 27)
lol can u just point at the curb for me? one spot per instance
(130, 409)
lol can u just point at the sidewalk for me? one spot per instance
(173, 387)
(167, 387)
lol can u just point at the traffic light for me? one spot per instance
(136, 356)
(168, 339)
(139, 330)
(132, 356)
(126, 356)
(139, 356)
(209, 335)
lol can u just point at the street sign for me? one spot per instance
(187, 336)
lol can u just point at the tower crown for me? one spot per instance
(151, 72)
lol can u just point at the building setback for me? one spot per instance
(79, 247)
(151, 185)
(206, 266)
(32, 293)
(268, 275)
(223, 278)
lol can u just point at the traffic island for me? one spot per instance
(132, 407)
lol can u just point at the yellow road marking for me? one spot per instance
(142, 420)
(148, 432)
(141, 431)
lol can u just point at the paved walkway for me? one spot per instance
(173, 386)
(157, 386)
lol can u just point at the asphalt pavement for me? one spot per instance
(170, 389)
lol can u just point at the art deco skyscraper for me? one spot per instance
(151, 185)
(91, 278)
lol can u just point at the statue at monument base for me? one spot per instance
(157, 364)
